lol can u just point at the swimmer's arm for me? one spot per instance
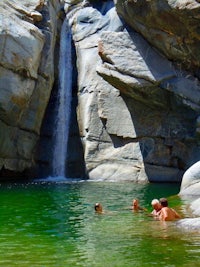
(163, 216)
(177, 216)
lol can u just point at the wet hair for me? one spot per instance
(163, 202)
(155, 201)
(97, 205)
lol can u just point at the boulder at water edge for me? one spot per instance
(191, 181)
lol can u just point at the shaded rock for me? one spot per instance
(28, 32)
(170, 26)
(137, 70)
(138, 110)
(130, 121)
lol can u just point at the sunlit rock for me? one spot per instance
(191, 181)
(170, 26)
(27, 41)
(189, 224)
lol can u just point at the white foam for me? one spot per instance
(58, 179)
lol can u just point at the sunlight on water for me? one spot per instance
(54, 224)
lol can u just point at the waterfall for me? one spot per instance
(63, 105)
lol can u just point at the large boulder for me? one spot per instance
(28, 32)
(190, 188)
(137, 112)
(191, 181)
(189, 225)
(170, 26)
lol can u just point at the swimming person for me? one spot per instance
(155, 203)
(135, 205)
(98, 208)
(166, 213)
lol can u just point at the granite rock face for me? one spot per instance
(28, 32)
(138, 109)
(189, 225)
(191, 181)
(169, 25)
(138, 84)
(190, 193)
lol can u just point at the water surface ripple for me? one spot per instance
(54, 224)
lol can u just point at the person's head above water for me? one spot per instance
(156, 204)
(98, 207)
(163, 202)
(135, 204)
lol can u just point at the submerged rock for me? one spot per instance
(189, 224)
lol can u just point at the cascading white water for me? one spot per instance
(63, 101)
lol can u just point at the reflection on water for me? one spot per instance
(55, 225)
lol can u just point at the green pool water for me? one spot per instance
(54, 224)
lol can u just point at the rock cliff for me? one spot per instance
(138, 106)
(138, 89)
(28, 32)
